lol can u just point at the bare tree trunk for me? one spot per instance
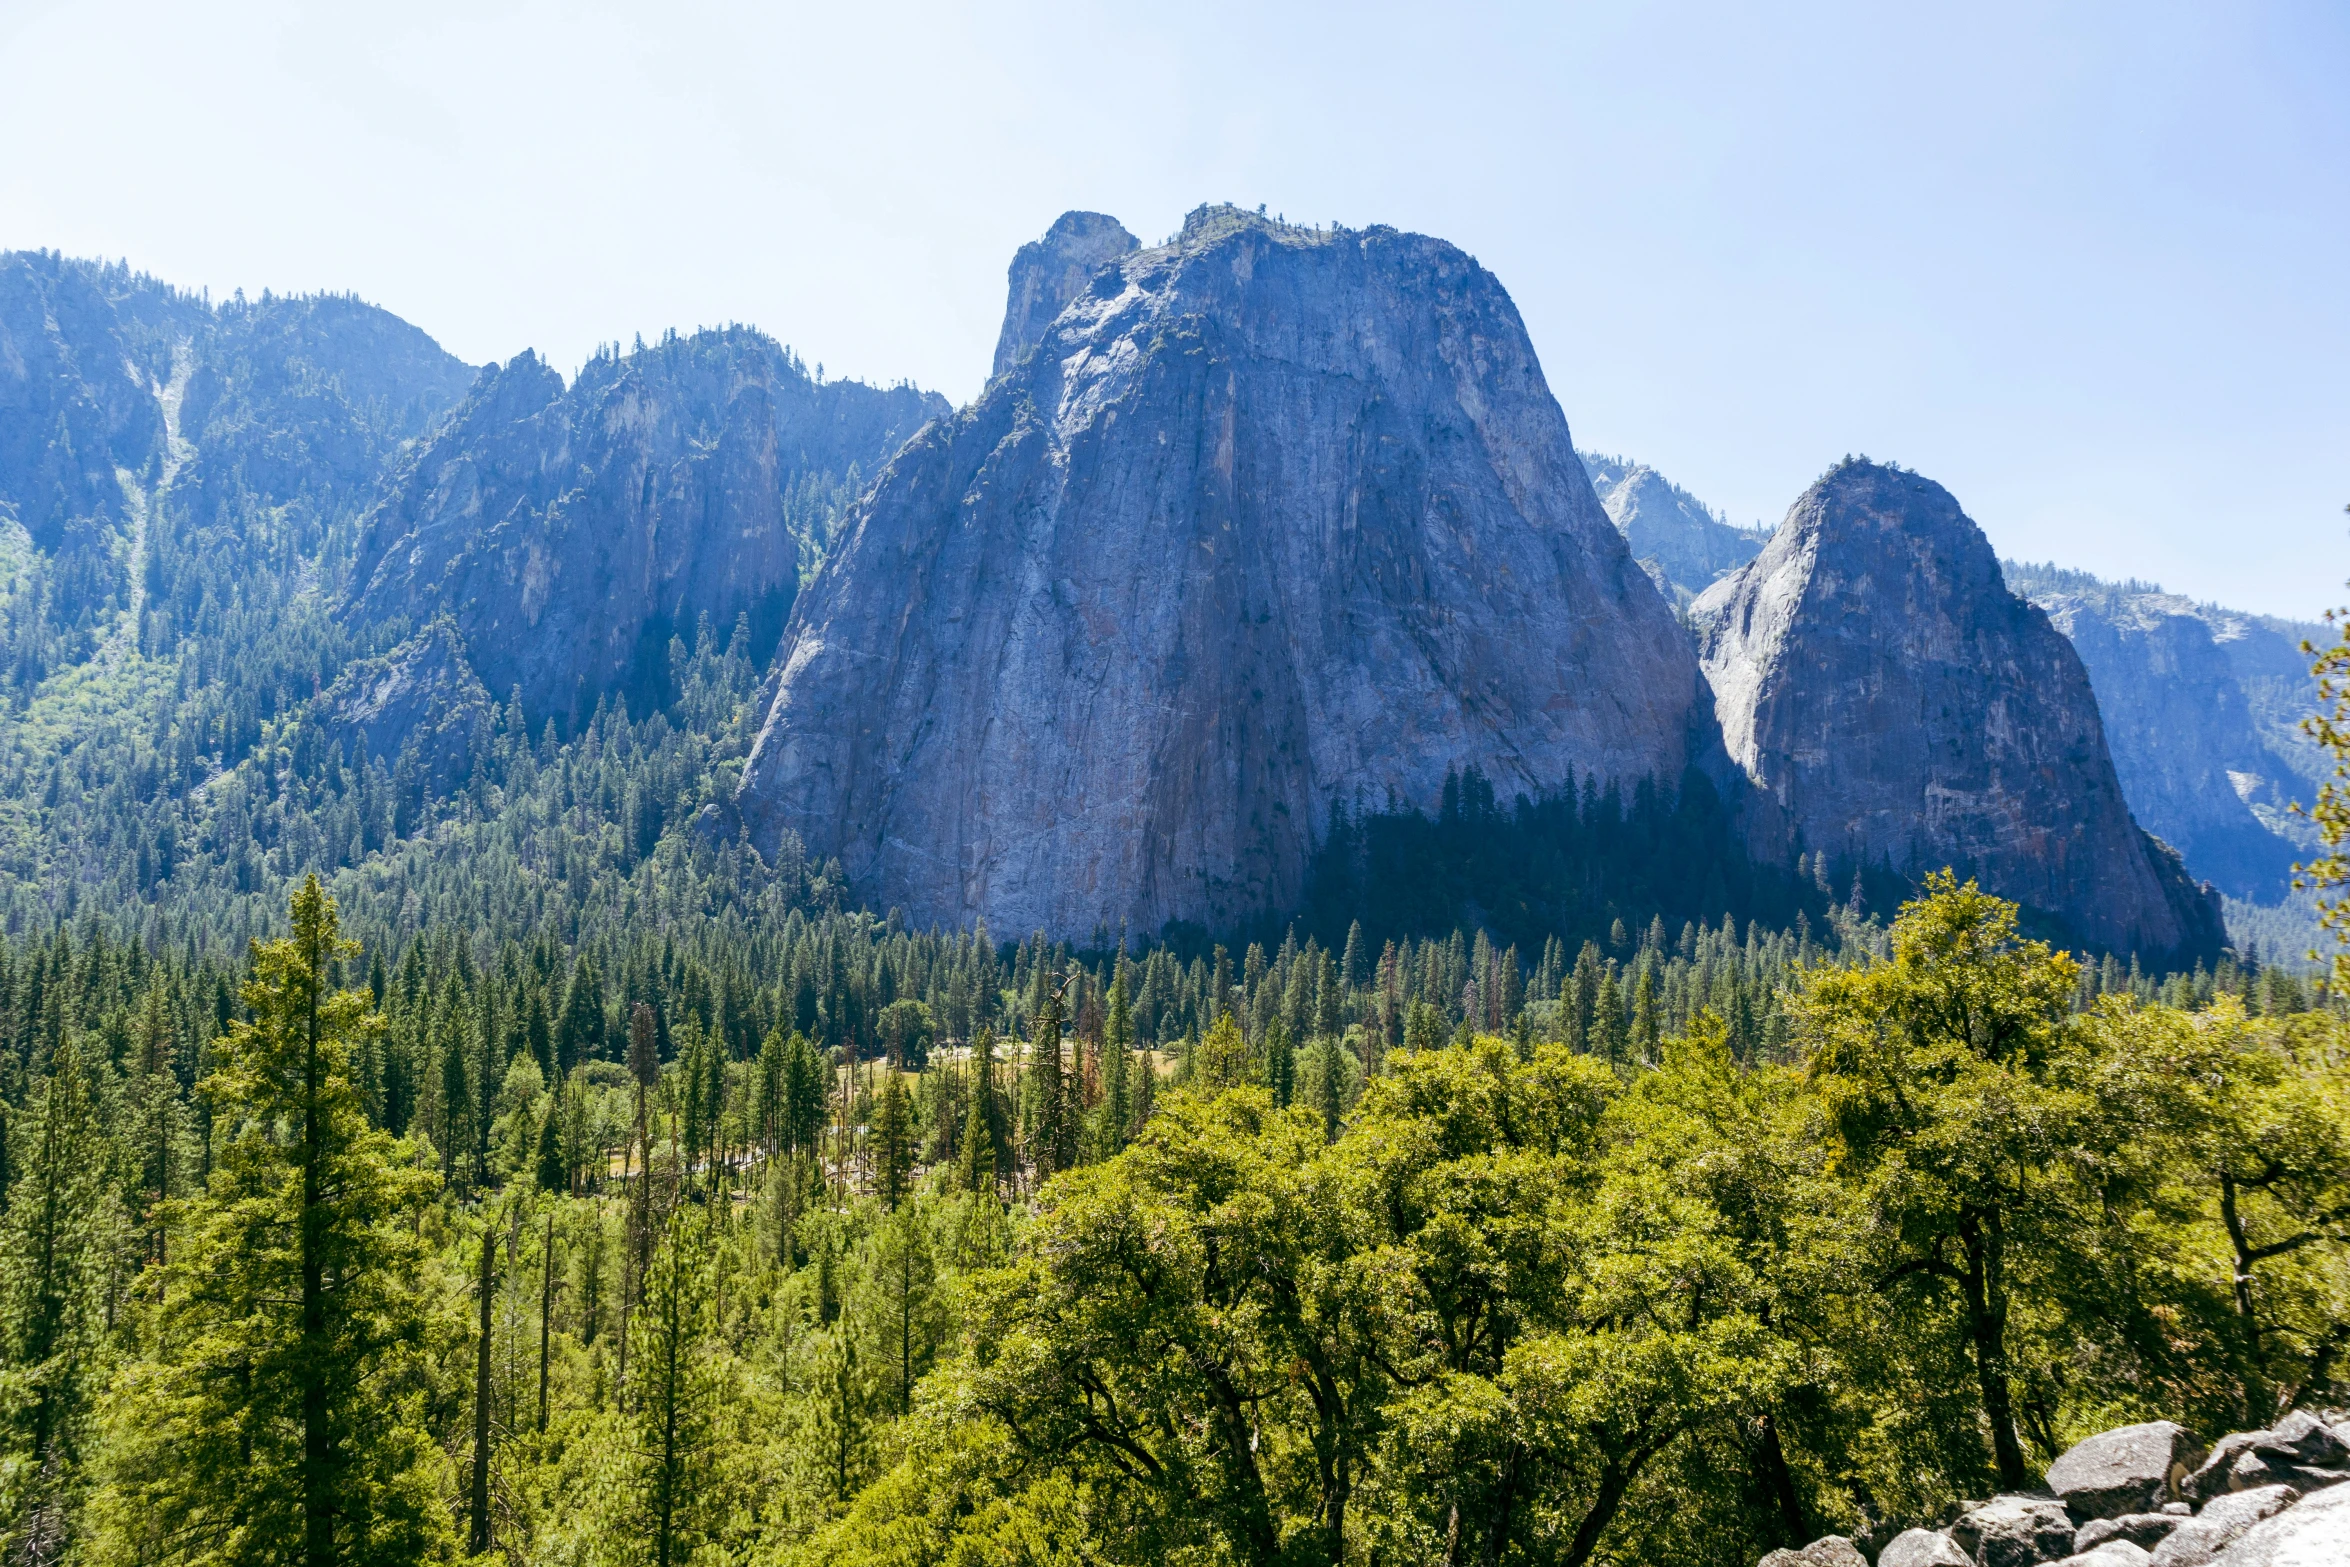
(481, 1395)
(546, 1314)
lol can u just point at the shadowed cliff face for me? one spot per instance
(1273, 520)
(2185, 744)
(572, 532)
(1894, 702)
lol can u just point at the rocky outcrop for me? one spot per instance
(2192, 757)
(1923, 1548)
(1896, 705)
(419, 703)
(2015, 1531)
(2313, 1534)
(2231, 1512)
(2301, 1451)
(1047, 273)
(1832, 1550)
(2125, 1470)
(1274, 520)
(1681, 544)
(573, 531)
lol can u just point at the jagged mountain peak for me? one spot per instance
(1047, 273)
(573, 531)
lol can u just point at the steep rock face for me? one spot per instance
(1047, 273)
(2192, 761)
(420, 702)
(1682, 545)
(571, 532)
(1894, 703)
(1273, 520)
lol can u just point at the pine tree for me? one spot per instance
(1644, 1024)
(1280, 1064)
(905, 1293)
(676, 1400)
(268, 1426)
(987, 1103)
(1049, 1136)
(554, 1171)
(1609, 1039)
(893, 1135)
(1117, 1108)
(1331, 1090)
(54, 1247)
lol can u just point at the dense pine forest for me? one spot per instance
(847, 1244)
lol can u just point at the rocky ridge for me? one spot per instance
(572, 531)
(1894, 704)
(2200, 707)
(2146, 1496)
(1682, 545)
(1273, 520)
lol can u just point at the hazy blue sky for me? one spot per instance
(2088, 266)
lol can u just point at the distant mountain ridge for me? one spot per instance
(571, 531)
(2202, 707)
(1259, 525)
(1683, 545)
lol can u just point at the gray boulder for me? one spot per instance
(2113, 1553)
(2301, 1451)
(2210, 1478)
(2147, 1530)
(2015, 1531)
(2200, 1539)
(2315, 1533)
(2129, 1470)
(1829, 1551)
(1895, 705)
(1923, 1548)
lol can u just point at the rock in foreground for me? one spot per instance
(2129, 1470)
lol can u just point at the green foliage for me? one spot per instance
(281, 1413)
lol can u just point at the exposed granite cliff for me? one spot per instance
(571, 532)
(1047, 273)
(1275, 519)
(420, 703)
(2192, 755)
(1682, 545)
(1894, 703)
